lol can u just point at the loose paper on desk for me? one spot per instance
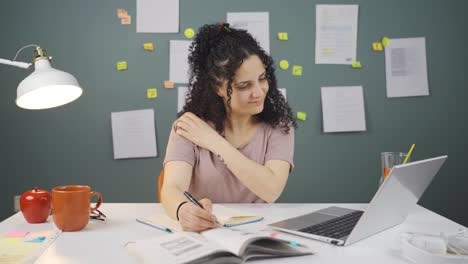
(133, 134)
(226, 216)
(181, 95)
(343, 109)
(256, 23)
(178, 61)
(405, 67)
(157, 16)
(24, 251)
(336, 34)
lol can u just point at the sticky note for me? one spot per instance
(152, 93)
(293, 244)
(284, 64)
(121, 13)
(16, 233)
(12, 239)
(377, 46)
(168, 84)
(297, 70)
(283, 35)
(127, 20)
(148, 46)
(189, 33)
(385, 41)
(36, 240)
(121, 65)
(301, 116)
(356, 64)
(273, 234)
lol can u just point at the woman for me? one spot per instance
(234, 139)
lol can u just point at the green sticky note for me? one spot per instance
(385, 41)
(121, 65)
(356, 64)
(297, 70)
(283, 35)
(301, 116)
(189, 33)
(152, 93)
(284, 64)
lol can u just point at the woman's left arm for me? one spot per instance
(270, 179)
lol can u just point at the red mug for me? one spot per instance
(71, 206)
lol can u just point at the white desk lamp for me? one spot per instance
(46, 87)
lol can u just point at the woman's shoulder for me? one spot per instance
(280, 128)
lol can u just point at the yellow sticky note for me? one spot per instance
(168, 84)
(152, 92)
(121, 13)
(283, 35)
(377, 46)
(12, 239)
(189, 33)
(126, 20)
(121, 65)
(385, 41)
(297, 70)
(301, 116)
(356, 64)
(148, 46)
(284, 64)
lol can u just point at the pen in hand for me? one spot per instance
(193, 200)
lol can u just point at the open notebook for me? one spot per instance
(221, 245)
(226, 216)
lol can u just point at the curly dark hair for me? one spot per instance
(215, 55)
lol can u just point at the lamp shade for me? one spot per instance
(47, 87)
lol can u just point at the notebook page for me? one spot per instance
(232, 239)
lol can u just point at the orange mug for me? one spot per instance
(71, 206)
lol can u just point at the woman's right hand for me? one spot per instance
(195, 219)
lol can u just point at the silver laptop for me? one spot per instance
(390, 206)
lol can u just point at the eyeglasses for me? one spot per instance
(97, 215)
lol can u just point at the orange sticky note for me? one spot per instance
(377, 46)
(152, 93)
(121, 13)
(297, 70)
(168, 84)
(127, 20)
(148, 46)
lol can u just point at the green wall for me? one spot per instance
(73, 144)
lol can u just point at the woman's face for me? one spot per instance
(249, 88)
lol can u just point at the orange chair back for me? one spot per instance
(160, 184)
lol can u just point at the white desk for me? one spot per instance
(102, 242)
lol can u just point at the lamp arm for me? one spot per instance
(20, 64)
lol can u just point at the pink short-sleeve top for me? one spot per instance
(213, 180)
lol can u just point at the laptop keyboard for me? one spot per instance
(336, 227)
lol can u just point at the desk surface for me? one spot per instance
(102, 242)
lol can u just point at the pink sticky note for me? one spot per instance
(16, 233)
(273, 234)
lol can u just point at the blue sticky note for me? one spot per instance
(37, 240)
(293, 244)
